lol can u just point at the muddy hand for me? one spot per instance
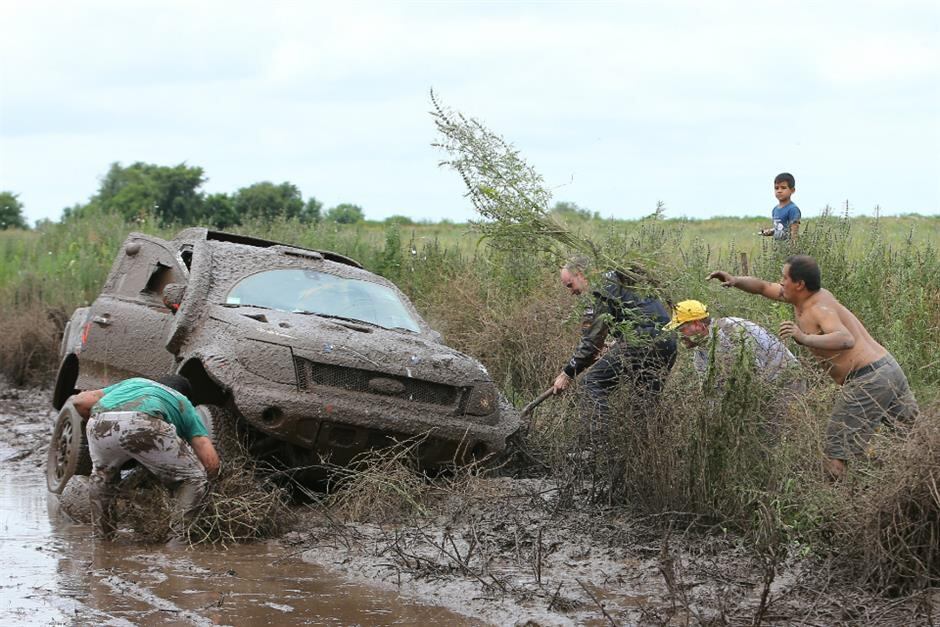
(789, 329)
(726, 278)
(561, 383)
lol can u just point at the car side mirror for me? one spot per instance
(436, 337)
(173, 295)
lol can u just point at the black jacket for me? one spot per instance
(615, 302)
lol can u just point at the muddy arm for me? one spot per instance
(204, 450)
(749, 284)
(84, 401)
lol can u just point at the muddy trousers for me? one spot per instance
(646, 368)
(115, 438)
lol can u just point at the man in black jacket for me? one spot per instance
(642, 350)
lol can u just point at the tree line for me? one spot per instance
(173, 195)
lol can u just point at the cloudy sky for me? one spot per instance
(617, 105)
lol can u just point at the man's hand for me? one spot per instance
(788, 328)
(204, 450)
(561, 383)
(727, 279)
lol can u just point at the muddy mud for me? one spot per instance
(501, 551)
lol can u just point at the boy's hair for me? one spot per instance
(785, 177)
(179, 383)
(804, 268)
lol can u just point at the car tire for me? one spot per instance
(222, 425)
(68, 450)
(73, 501)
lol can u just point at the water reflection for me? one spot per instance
(54, 573)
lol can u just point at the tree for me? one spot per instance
(219, 211)
(513, 200)
(400, 220)
(267, 201)
(11, 212)
(311, 213)
(345, 213)
(169, 192)
(572, 210)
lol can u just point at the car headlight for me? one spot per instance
(271, 361)
(482, 401)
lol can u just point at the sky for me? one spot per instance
(617, 105)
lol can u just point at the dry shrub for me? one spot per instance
(387, 485)
(381, 485)
(522, 340)
(896, 520)
(29, 343)
(241, 506)
(148, 510)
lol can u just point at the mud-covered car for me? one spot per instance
(304, 351)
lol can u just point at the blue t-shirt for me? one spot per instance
(149, 397)
(783, 217)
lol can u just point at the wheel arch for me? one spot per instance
(206, 390)
(65, 380)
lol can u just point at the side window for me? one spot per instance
(144, 271)
(160, 275)
(186, 254)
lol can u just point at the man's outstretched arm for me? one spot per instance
(749, 284)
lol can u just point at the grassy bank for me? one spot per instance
(702, 453)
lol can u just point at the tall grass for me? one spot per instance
(739, 457)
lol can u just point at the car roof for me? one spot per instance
(199, 233)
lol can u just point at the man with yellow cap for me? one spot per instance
(771, 358)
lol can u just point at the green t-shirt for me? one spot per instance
(150, 397)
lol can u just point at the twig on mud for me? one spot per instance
(598, 603)
(551, 603)
(538, 558)
(770, 572)
(667, 566)
(465, 568)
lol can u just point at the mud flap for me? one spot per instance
(68, 450)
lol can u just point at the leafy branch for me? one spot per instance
(511, 196)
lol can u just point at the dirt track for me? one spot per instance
(503, 552)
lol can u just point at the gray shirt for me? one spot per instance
(771, 357)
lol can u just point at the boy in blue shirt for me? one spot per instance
(154, 423)
(786, 215)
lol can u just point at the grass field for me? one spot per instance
(699, 453)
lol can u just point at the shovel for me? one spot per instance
(538, 401)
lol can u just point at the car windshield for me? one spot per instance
(322, 294)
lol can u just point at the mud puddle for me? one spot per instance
(501, 550)
(54, 574)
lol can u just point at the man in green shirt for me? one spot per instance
(154, 423)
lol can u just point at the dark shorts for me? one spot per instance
(870, 396)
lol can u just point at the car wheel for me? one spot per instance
(74, 500)
(222, 425)
(68, 450)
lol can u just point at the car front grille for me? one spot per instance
(311, 374)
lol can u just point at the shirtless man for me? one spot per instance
(874, 388)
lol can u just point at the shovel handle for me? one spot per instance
(541, 397)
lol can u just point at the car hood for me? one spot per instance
(354, 345)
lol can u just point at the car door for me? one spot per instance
(126, 328)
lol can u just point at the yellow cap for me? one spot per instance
(686, 311)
